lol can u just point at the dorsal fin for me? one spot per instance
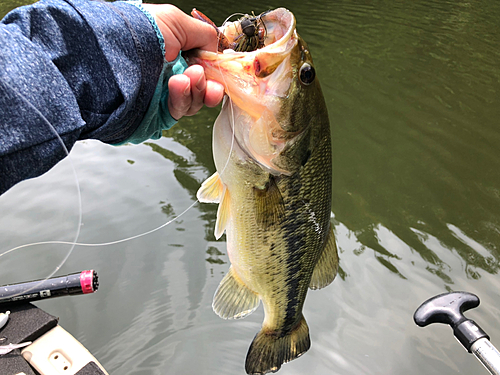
(328, 263)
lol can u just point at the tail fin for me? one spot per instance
(269, 351)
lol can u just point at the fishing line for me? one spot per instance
(99, 244)
(80, 215)
(230, 106)
(54, 131)
(232, 15)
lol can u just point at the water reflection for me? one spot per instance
(214, 255)
(379, 239)
(186, 171)
(414, 98)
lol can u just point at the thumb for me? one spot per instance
(180, 31)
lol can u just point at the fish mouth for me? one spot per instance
(279, 26)
(238, 72)
(255, 82)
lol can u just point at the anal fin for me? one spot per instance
(233, 299)
(327, 265)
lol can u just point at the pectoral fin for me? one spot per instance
(211, 189)
(328, 263)
(233, 299)
(269, 204)
(223, 213)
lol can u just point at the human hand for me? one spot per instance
(190, 90)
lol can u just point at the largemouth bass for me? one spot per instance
(272, 150)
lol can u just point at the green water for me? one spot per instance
(413, 93)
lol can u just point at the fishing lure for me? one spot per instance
(223, 41)
(252, 36)
(253, 33)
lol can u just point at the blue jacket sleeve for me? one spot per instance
(79, 68)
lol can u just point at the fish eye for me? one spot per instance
(307, 74)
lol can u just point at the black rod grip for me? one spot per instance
(78, 283)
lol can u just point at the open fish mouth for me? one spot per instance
(272, 28)
(275, 34)
(256, 81)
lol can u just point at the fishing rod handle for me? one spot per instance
(77, 283)
(487, 354)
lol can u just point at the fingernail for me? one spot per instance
(187, 91)
(201, 84)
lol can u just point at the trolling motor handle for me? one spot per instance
(448, 308)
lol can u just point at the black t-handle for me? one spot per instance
(448, 308)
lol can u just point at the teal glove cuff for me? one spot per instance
(158, 117)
